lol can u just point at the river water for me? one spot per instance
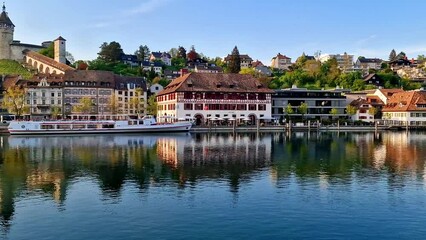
(214, 186)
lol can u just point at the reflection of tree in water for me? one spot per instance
(345, 156)
(46, 165)
(13, 171)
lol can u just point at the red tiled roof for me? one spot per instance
(406, 101)
(279, 56)
(389, 92)
(215, 82)
(256, 63)
(48, 61)
(11, 80)
(377, 101)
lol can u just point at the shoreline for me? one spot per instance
(292, 129)
(225, 129)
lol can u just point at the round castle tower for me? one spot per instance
(6, 34)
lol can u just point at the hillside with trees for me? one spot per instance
(313, 74)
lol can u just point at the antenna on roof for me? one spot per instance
(4, 7)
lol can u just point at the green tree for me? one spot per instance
(303, 109)
(136, 102)
(373, 111)
(248, 71)
(49, 51)
(111, 52)
(151, 108)
(55, 111)
(313, 68)
(84, 106)
(358, 85)
(14, 100)
(142, 53)
(113, 104)
(181, 53)
(289, 110)
(173, 52)
(178, 63)
(350, 110)
(392, 55)
(300, 61)
(69, 57)
(234, 64)
(334, 112)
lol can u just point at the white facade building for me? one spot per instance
(215, 97)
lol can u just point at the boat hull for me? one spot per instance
(142, 129)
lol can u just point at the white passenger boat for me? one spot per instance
(144, 125)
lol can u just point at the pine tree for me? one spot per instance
(401, 55)
(234, 65)
(392, 55)
(181, 52)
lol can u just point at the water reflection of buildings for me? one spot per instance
(216, 149)
(234, 158)
(46, 165)
(345, 157)
(402, 152)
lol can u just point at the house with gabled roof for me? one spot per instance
(384, 94)
(365, 64)
(374, 79)
(406, 108)
(245, 60)
(363, 107)
(166, 58)
(281, 62)
(215, 97)
(257, 63)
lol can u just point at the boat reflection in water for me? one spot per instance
(46, 166)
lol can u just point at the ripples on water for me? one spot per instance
(213, 186)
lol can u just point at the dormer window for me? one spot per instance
(218, 85)
(189, 82)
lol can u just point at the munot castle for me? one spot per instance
(28, 53)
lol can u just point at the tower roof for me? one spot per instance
(60, 38)
(4, 18)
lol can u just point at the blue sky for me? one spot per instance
(370, 28)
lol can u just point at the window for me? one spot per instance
(188, 106)
(199, 107)
(52, 94)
